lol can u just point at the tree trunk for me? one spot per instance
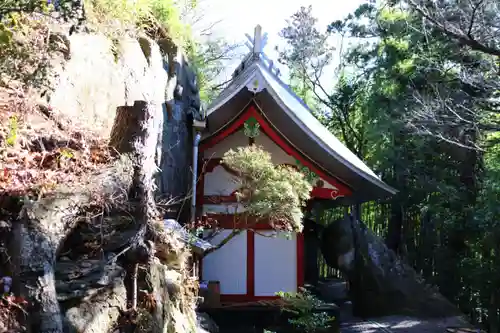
(142, 193)
(426, 245)
(126, 128)
(382, 284)
(393, 238)
(493, 313)
(394, 234)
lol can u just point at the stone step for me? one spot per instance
(333, 290)
(345, 312)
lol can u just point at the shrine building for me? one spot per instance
(258, 108)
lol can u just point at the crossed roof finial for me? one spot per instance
(256, 43)
(256, 46)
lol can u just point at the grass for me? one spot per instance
(121, 17)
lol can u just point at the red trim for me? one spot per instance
(317, 192)
(231, 221)
(250, 263)
(211, 164)
(219, 199)
(300, 260)
(233, 127)
(325, 193)
(228, 221)
(251, 111)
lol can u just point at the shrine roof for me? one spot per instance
(255, 84)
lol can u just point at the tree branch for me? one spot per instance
(459, 36)
(226, 240)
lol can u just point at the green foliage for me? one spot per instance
(5, 36)
(66, 153)
(269, 191)
(303, 305)
(24, 50)
(414, 100)
(118, 17)
(420, 105)
(12, 135)
(8, 7)
(306, 51)
(208, 61)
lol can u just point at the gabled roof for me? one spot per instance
(293, 119)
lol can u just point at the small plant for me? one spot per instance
(66, 153)
(303, 305)
(13, 127)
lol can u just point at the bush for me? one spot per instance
(303, 306)
(269, 191)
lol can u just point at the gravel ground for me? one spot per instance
(400, 324)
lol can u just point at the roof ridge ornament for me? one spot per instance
(259, 41)
(256, 43)
(256, 46)
(257, 84)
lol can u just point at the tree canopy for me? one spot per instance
(416, 96)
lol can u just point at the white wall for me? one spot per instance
(237, 139)
(228, 264)
(278, 155)
(220, 182)
(275, 263)
(226, 208)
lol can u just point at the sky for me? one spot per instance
(238, 17)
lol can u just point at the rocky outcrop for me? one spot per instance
(380, 283)
(96, 76)
(205, 324)
(80, 252)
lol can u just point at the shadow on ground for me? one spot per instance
(400, 324)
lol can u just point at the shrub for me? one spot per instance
(303, 305)
(269, 191)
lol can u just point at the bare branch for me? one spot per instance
(454, 32)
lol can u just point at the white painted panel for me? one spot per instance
(228, 264)
(275, 263)
(220, 182)
(237, 139)
(229, 208)
(278, 155)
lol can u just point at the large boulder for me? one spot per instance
(380, 283)
(205, 324)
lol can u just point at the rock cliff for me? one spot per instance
(70, 208)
